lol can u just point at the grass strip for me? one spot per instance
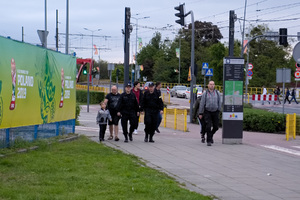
(83, 169)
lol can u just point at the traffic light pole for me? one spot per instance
(193, 78)
(88, 92)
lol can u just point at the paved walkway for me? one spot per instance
(264, 167)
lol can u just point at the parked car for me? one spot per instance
(199, 92)
(178, 91)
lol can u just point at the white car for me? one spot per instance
(178, 91)
(188, 94)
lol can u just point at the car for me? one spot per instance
(146, 85)
(199, 92)
(178, 91)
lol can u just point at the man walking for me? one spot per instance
(287, 94)
(128, 109)
(293, 96)
(152, 104)
(111, 100)
(210, 107)
(157, 89)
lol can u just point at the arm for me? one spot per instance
(98, 117)
(202, 105)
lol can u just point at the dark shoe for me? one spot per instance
(157, 130)
(212, 141)
(208, 144)
(126, 140)
(130, 138)
(117, 139)
(151, 140)
(203, 140)
(146, 140)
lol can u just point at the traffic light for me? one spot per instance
(181, 14)
(84, 70)
(283, 37)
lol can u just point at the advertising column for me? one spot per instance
(233, 76)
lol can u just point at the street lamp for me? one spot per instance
(136, 39)
(92, 38)
(88, 74)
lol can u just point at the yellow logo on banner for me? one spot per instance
(189, 76)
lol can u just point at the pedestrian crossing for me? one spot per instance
(284, 149)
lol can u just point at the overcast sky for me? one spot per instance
(109, 17)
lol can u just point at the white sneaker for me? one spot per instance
(135, 132)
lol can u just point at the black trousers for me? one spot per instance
(102, 130)
(132, 118)
(150, 121)
(211, 120)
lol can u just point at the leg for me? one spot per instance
(158, 122)
(208, 124)
(132, 121)
(111, 127)
(147, 121)
(153, 124)
(116, 131)
(124, 121)
(215, 123)
(202, 123)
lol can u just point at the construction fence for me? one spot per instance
(172, 118)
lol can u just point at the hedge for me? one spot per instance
(95, 97)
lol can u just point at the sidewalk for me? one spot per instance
(264, 167)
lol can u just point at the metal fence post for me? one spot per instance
(165, 117)
(185, 120)
(175, 118)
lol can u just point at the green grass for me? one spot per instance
(83, 169)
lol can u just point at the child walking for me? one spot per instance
(102, 117)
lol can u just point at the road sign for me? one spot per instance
(209, 72)
(204, 65)
(296, 53)
(250, 66)
(250, 73)
(297, 74)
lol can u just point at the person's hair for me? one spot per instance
(102, 102)
(157, 83)
(135, 83)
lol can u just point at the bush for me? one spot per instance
(95, 97)
(78, 109)
(263, 121)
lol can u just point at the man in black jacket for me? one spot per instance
(128, 109)
(152, 104)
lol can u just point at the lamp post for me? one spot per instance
(88, 74)
(136, 40)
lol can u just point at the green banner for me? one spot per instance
(37, 85)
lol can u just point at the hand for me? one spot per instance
(200, 116)
(119, 114)
(161, 112)
(137, 114)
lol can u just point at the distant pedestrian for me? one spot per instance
(196, 117)
(277, 92)
(157, 89)
(139, 96)
(264, 93)
(128, 109)
(293, 96)
(111, 101)
(102, 118)
(209, 108)
(152, 104)
(287, 94)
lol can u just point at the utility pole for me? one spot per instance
(22, 34)
(56, 34)
(45, 33)
(232, 18)
(67, 28)
(126, 46)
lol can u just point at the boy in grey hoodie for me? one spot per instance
(102, 118)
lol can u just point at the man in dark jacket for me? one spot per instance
(128, 109)
(152, 104)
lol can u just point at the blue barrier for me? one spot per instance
(30, 133)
